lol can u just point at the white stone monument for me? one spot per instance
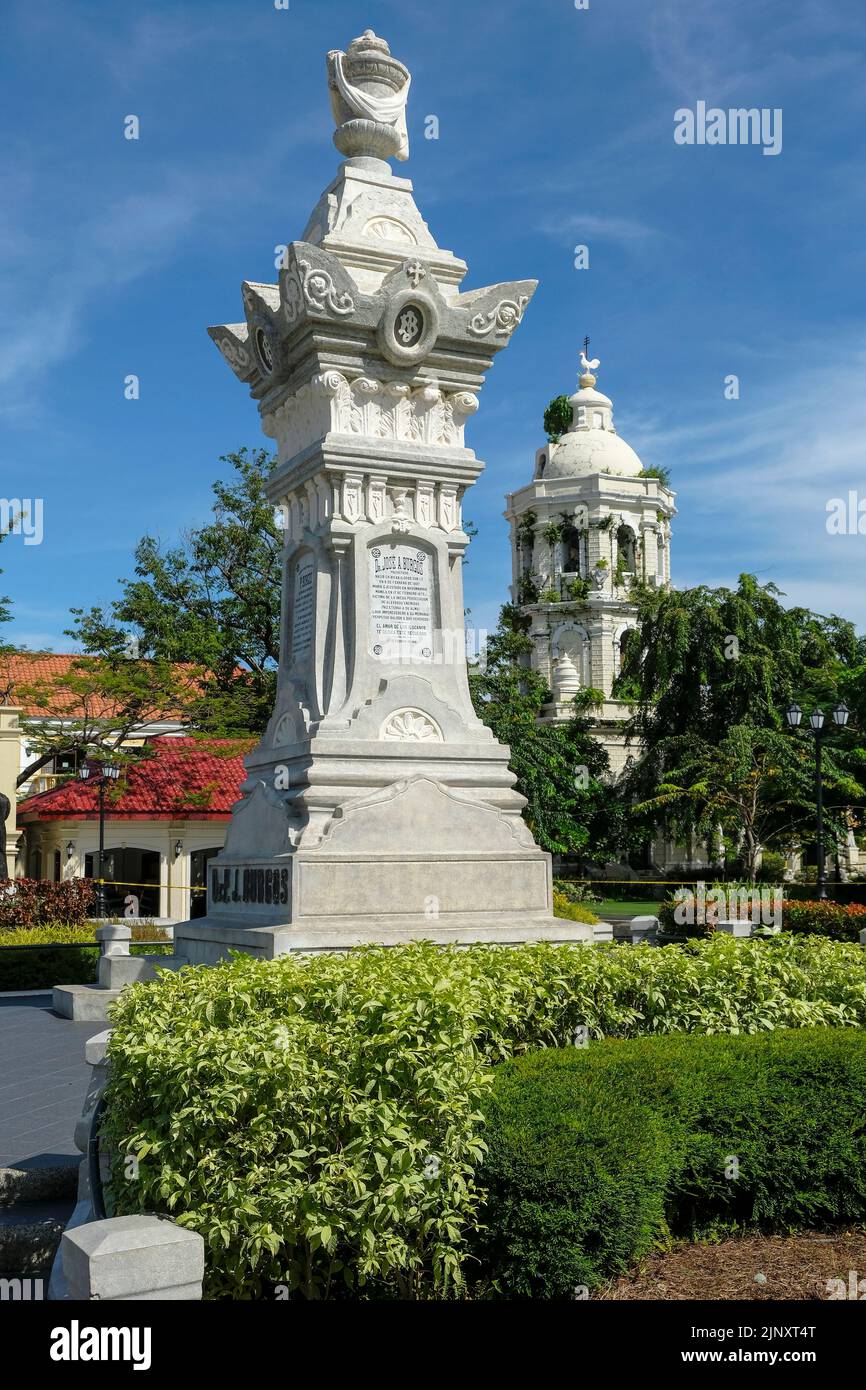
(377, 806)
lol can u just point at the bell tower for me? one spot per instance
(590, 525)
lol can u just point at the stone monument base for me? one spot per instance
(205, 943)
(324, 902)
(411, 861)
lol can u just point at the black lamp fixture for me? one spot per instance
(70, 848)
(794, 716)
(178, 848)
(105, 772)
(819, 728)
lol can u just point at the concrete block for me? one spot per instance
(114, 939)
(95, 1048)
(117, 971)
(129, 1258)
(643, 929)
(84, 1003)
(735, 927)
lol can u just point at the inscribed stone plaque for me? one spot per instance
(401, 603)
(302, 608)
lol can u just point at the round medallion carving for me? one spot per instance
(263, 351)
(409, 327)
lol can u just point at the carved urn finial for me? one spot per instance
(368, 90)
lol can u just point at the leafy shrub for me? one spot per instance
(850, 892)
(577, 590)
(772, 868)
(574, 911)
(720, 901)
(527, 589)
(663, 475)
(318, 1119)
(53, 934)
(575, 891)
(558, 418)
(842, 923)
(38, 902)
(594, 1155)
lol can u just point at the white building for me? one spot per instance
(588, 525)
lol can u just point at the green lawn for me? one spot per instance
(625, 909)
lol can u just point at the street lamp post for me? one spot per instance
(819, 729)
(106, 773)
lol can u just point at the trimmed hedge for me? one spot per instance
(839, 921)
(45, 969)
(854, 891)
(29, 969)
(318, 1119)
(596, 1155)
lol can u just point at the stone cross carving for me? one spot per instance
(368, 90)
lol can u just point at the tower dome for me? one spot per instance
(591, 444)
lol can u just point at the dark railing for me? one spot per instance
(73, 945)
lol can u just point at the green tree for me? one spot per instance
(98, 703)
(704, 664)
(557, 418)
(559, 767)
(5, 647)
(213, 601)
(756, 786)
(702, 660)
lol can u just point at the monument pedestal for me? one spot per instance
(378, 807)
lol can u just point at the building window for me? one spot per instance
(58, 871)
(571, 550)
(598, 419)
(625, 544)
(621, 649)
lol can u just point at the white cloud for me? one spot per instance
(753, 481)
(624, 230)
(55, 286)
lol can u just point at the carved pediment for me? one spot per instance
(424, 813)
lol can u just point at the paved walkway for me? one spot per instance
(43, 1079)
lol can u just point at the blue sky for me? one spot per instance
(556, 128)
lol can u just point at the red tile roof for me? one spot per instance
(18, 669)
(184, 779)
